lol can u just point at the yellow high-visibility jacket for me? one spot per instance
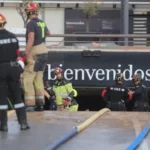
(63, 89)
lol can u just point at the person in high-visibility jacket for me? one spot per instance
(63, 93)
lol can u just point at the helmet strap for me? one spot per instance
(32, 13)
(2, 24)
(28, 15)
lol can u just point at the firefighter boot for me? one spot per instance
(22, 118)
(3, 125)
(39, 105)
(30, 108)
(18, 117)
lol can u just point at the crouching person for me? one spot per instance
(63, 93)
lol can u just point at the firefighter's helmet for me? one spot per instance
(57, 70)
(119, 77)
(2, 19)
(32, 9)
(137, 77)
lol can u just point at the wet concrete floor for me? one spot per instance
(112, 131)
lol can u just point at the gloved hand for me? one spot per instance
(68, 98)
(24, 57)
(20, 62)
(47, 86)
(54, 98)
(65, 102)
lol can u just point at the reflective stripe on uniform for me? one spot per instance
(29, 97)
(39, 97)
(3, 107)
(20, 105)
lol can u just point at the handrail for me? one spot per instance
(77, 1)
(97, 35)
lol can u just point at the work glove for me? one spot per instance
(67, 100)
(21, 63)
(47, 86)
(24, 57)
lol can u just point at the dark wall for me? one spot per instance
(98, 71)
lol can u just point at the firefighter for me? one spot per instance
(63, 93)
(117, 95)
(140, 94)
(35, 57)
(11, 67)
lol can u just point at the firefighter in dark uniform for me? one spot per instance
(10, 71)
(116, 96)
(140, 94)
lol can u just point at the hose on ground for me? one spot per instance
(134, 145)
(77, 129)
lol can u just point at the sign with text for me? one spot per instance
(99, 71)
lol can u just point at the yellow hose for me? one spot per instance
(11, 112)
(92, 119)
(76, 130)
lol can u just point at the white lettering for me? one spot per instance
(74, 23)
(49, 72)
(130, 73)
(77, 74)
(8, 40)
(67, 73)
(100, 72)
(119, 70)
(108, 73)
(90, 76)
(13, 40)
(5, 41)
(147, 74)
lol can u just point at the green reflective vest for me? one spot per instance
(62, 90)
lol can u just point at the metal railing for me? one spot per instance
(104, 41)
(97, 35)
